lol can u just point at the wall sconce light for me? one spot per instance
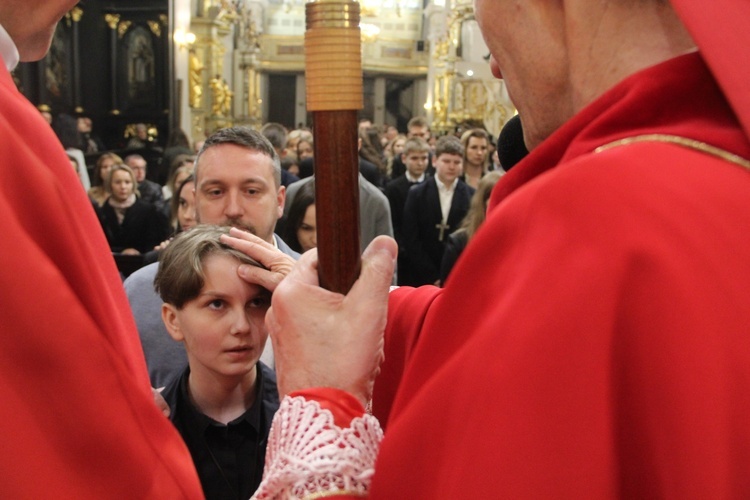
(369, 32)
(184, 39)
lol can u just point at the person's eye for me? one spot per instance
(216, 304)
(252, 191)
(261, 301)
(183, 203)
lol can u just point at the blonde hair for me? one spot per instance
(124, 168)
(478, 205)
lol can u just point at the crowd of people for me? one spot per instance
(590, 342)
(139, 218)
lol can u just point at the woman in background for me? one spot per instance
(458, 240)
(132, 226)
(100, 192)
(300, 230)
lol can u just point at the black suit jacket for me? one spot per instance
(423, 247)
(396, 191)
(141, 228)
(370, 172)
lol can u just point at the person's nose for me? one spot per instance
(233, 207)
(190, 213)
(241, 323)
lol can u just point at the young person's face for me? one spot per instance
(105, 167)
(448, 167)
(398, 146)
(186, 206)
(304, 150)
(307, 232)
(139, 168)
(476, 151)
(122, 186)
(417, 131)
(416, 162)
(223, 328)
(236, 187)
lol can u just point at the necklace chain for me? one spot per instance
(680, 141)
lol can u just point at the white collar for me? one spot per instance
(411, 178)
(444, 187)
(8, 50)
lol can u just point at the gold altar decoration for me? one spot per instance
(195, 80)
(222, 97)
(460, 100)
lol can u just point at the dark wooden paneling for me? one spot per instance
(117, 77)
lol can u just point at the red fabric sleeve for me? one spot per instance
(73, 382)
(343, 405)
(407, 309)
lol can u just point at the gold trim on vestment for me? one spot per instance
(680, 141)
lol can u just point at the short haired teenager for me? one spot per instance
(224, 401)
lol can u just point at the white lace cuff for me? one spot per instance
(309, 456)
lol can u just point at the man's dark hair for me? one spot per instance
(449, 144)
(276, 134)
(244, 137)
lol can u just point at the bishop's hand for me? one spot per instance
(325, 339)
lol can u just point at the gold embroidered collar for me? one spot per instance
(680, 141)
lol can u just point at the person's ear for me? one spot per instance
(280, 199)
(171, 322)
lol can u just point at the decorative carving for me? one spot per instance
(123, 27)
(155, 27)
(254, 101)
(76, 14)
(195, 77)
(222, 96)
(112, 20)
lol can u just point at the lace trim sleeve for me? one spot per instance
(309, 456)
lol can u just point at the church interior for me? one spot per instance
(201, 65)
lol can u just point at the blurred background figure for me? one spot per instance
(300, 230)
(132, 225)
(66, 128)
(458, 240)
(90, 143)
(99, 192)
(476, 144)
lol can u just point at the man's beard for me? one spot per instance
(239, 224)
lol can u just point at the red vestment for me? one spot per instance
(593, 339)
(78, 416)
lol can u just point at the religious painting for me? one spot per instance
(56, 71)
(140, 62)
(136, 75)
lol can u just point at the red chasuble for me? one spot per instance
(77, 414)
(593, 339)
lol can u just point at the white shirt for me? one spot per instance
(8, 50)
(414, 179)
(446, 196)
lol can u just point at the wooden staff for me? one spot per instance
(333, 76)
